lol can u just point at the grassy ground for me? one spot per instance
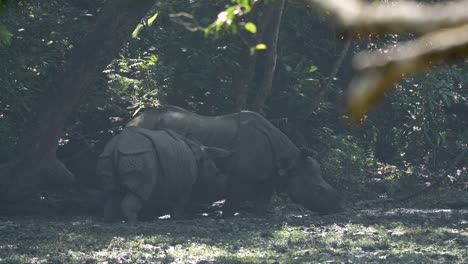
(288, 234)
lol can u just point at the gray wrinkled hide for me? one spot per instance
(262, 156)
(159, 167)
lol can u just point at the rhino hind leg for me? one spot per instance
(131, 205)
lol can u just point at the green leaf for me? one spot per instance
(152, 19)
(246, 4)
(5, 35)
(313, 68)
(140, 26)
(137, 31)
(251, 27)
(261, 46)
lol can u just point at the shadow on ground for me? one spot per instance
(288, 234)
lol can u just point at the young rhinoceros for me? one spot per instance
(153, 173)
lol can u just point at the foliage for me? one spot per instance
(172, 65)
(413, 125)
(227, 18)
(42, 35)
(342, 160)
(5, 35)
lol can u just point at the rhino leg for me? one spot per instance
(131, 205)
(262, 199)
(180, 208)
(111, 209)
(234, 198)
(230, 206)
(240, 191)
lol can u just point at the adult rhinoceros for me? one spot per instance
(154, 172)
(263, 157)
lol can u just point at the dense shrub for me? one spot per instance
(343, 161)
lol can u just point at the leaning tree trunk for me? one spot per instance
(299, 118)
(326, 84)
(35, 155)
(272, 55)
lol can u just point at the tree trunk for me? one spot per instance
(242, 80)
(272, 55)
(35, 155)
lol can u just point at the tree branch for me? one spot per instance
(326, 84)
(355, 16)
(272, 54)
(444, 30)
(377, 71)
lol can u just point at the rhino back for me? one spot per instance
(245, 132)
(134, 152)
(214, 131)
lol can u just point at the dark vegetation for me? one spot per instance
(417, 136)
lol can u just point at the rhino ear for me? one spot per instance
(220, 156)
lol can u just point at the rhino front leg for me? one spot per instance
(230, 206)
(181, 206)
(131, 205)
(262, 198)
(238, 192)
(262, 203)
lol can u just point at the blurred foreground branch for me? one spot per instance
(444, 29)
(355, 16)
(377, 71)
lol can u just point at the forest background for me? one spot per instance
(283, 60)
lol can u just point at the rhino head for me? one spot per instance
(306, 186)
(212, 178)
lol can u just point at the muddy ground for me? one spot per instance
(287, 234)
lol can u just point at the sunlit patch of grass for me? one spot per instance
(442, 197)
(392, 236)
